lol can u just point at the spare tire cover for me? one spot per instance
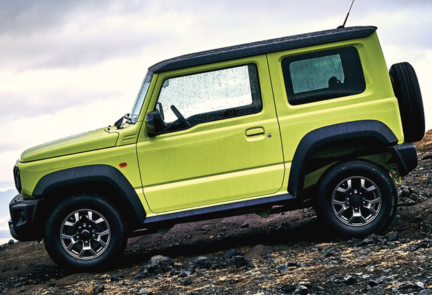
(407, 90)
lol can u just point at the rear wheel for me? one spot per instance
(85, 232)
(356, 198)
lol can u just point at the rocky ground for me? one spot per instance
(286, 253)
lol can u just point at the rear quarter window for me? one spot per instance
(323, 75)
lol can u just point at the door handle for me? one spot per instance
(255, 131)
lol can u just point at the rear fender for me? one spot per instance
(333, 133)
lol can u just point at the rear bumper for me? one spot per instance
(27, 217)
(405, 156)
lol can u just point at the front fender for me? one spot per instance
(91, 173)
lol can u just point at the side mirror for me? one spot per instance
(154, 123)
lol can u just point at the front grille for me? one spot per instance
(17, 178)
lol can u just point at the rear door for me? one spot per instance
(221, 142)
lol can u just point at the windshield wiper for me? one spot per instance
(119, 122)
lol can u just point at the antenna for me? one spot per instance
(343, 26)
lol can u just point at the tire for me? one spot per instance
(356, 184)
(85, 232)
(407, 90)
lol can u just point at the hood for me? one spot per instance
(88, 141)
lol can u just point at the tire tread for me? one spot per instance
(407, 90)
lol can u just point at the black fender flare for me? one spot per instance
(321, 136)
(90, 173)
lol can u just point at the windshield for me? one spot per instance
(140, 98)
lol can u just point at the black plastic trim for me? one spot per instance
(406, 157)
(12, 231)
(91, 173)
(17, 178)
(154, 123)
(26, 218)
(321, 136)
(262, 47)
(215, 211)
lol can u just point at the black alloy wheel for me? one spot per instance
(356, 198)
(85, 232)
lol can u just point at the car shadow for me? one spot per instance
(302, 234)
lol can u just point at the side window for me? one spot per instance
(323, 75)
(190, 100)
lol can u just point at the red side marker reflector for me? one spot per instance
(122, 165)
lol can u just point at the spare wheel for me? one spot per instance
(407, 90)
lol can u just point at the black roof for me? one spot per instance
(261, 47)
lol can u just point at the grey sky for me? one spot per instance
(72, 66)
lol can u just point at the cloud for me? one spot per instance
(7, 185)
(4, 222)
(54, 34)
(70, 34)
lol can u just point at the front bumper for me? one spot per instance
(27, 218)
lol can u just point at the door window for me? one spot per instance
(193, 99)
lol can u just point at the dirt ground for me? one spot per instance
(315, 261)
(183, 243)
(426, 143)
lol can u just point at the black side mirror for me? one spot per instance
(154, 123)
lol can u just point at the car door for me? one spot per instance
(221, 140)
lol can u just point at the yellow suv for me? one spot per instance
(307, 120)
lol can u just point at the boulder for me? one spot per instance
(157, 264)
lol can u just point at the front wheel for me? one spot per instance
(356, 198)
(85, 232)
